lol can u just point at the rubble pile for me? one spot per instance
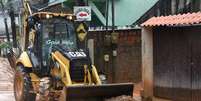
(121, 98)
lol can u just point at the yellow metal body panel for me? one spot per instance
(34, 77)
(35, 82)
(95, 76)
(24, 59)
(64, 67)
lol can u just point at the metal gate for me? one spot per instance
(177, 63)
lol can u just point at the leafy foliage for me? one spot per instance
(5, 45)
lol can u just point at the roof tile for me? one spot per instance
(174, 20)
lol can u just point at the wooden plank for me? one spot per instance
(196, 62)
(163, 69)
(181, 62)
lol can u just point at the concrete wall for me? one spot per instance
(147, 62)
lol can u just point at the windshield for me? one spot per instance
(57, 32)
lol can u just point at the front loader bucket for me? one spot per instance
(98, 92)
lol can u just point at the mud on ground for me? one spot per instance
(121, 98)
(6, 81)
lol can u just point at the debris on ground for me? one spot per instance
(136, 95)
(137, 91)
(121, 98)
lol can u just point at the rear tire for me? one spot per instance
(23, 85)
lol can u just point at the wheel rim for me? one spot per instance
(19, 87)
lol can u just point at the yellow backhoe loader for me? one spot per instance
(52, 68)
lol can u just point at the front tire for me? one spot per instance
(23, 85)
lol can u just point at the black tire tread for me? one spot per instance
(27, 96)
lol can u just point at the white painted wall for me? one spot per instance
(2, 25)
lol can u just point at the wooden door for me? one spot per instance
(172, 71)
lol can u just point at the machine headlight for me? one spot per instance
(48, 16)
(70, 17)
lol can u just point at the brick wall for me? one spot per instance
(126, 66)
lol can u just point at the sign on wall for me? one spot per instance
(82, 13)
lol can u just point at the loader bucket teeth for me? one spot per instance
(98, 92)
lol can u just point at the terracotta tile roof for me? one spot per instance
(174, 20)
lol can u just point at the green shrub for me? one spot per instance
(5, 45)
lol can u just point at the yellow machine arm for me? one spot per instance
(27, 7)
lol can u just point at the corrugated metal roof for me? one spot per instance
(174, 20)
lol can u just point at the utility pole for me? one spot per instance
(113, 16)
(177, 6)
(105, 50)
(82, 44)
(114, 44)
(6, 28)
(106, 15)
(13, 26)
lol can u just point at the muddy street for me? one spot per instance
(6, 81)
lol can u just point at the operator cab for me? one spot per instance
(45, 31)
